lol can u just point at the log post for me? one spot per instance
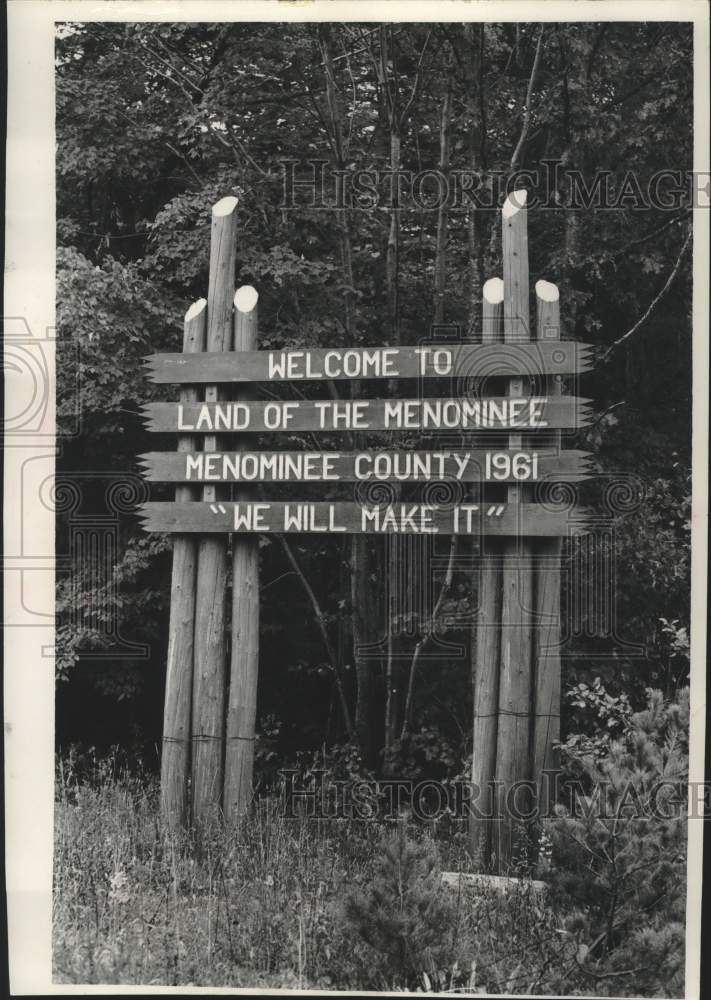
(208, 723)
(546, 717)
(486, 639)
(244, 666)
(175, 755)
(513, 752)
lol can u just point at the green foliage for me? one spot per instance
(425, 751)
(254, 906)
(299, 903)
(620, 854)
(156, 121)
(114, 315)
(86, 609)
(596, 716)
(406, 915)
(653, 549)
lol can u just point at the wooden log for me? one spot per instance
(445, 414)
(513, 760)
(546, 717)
(175, 754)
(493, 465)
(355, 363)
(486, 644)
(244, 660)
(208, 722)
(500, 884)
(341, 517)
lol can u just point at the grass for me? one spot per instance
(265, 905)
(249, 907)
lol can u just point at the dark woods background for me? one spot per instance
(155, 123)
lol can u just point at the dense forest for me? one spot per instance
(156, 122)
(371, 162)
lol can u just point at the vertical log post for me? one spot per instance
(546, 719)
(513, 751)
(175, 756)
(242, 698)
(486, 640)
(208, 724)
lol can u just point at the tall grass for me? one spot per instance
(265, 904)
(252, 906)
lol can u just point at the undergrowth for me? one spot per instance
(300, 902)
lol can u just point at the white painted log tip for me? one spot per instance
(514, 203)
(498, 883)
(224, 206)
(246, 298)
(546, 291)
(195, 309)
(493, 290)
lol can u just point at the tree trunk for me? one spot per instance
(392, 255)
(440, 264)
(475, 105)
(360, 590)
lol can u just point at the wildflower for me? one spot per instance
(119, 892)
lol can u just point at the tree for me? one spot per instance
(155, 122)
(621, 852)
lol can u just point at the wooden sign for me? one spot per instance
(495, 466)
(211, 699)
(462, 413)
(433, 361)
(352, 518)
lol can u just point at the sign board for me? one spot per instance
(491, 466)
(352, 518)
(432, 361)
(460, 413)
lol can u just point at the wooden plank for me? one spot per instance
(500, 884)
(175, 753)
(513, 735)
(208, 720)
(244, 659)
(491, 413)
(481, 465)
(486, 644)
(432, 361)
(319, 517)
(546, 716)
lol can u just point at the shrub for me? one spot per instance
(621, 855)
(406, 915)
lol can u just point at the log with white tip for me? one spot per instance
(175, 754)
(208, 717)
(546, 715)
(513, 763)
(486, 637)
(244, 654)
